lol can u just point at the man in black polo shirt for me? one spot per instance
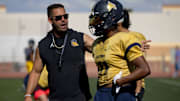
(62, 51)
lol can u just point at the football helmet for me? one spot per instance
(104, 15)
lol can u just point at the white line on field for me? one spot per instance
(170, 82)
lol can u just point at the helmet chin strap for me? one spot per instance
(121, 20)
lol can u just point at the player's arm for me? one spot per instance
(88, 41)
(145, 46)
(141, 71)
(34, 76)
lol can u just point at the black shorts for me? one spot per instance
(79, 97)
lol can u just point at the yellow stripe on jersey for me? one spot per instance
(43, 80)
(109, 55)
(29, 66)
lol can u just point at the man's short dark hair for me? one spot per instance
(53, 6)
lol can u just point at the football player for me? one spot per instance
(113, 50)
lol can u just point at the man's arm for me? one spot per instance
(141, 71)
(88, 41)
(34, 76)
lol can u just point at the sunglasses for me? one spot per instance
(57, 18)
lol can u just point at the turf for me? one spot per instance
(157, 89)
(11, 90)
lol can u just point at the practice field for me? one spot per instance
(157, 89)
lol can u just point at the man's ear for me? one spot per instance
(50, 20)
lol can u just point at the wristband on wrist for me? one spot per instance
(27, 95)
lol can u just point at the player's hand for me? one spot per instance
(145, 45)
(117, 76)
(28, 98)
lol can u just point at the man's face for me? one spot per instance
(59, 19)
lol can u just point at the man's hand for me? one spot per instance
(145, 45)
(28, 98)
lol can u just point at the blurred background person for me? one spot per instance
(177, 61)
(29, 52)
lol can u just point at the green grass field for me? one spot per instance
(157, 89)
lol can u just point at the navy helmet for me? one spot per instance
(104, 15)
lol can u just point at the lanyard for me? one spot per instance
(53, 44)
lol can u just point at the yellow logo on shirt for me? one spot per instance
(74, 43)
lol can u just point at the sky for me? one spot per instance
(14, 6)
